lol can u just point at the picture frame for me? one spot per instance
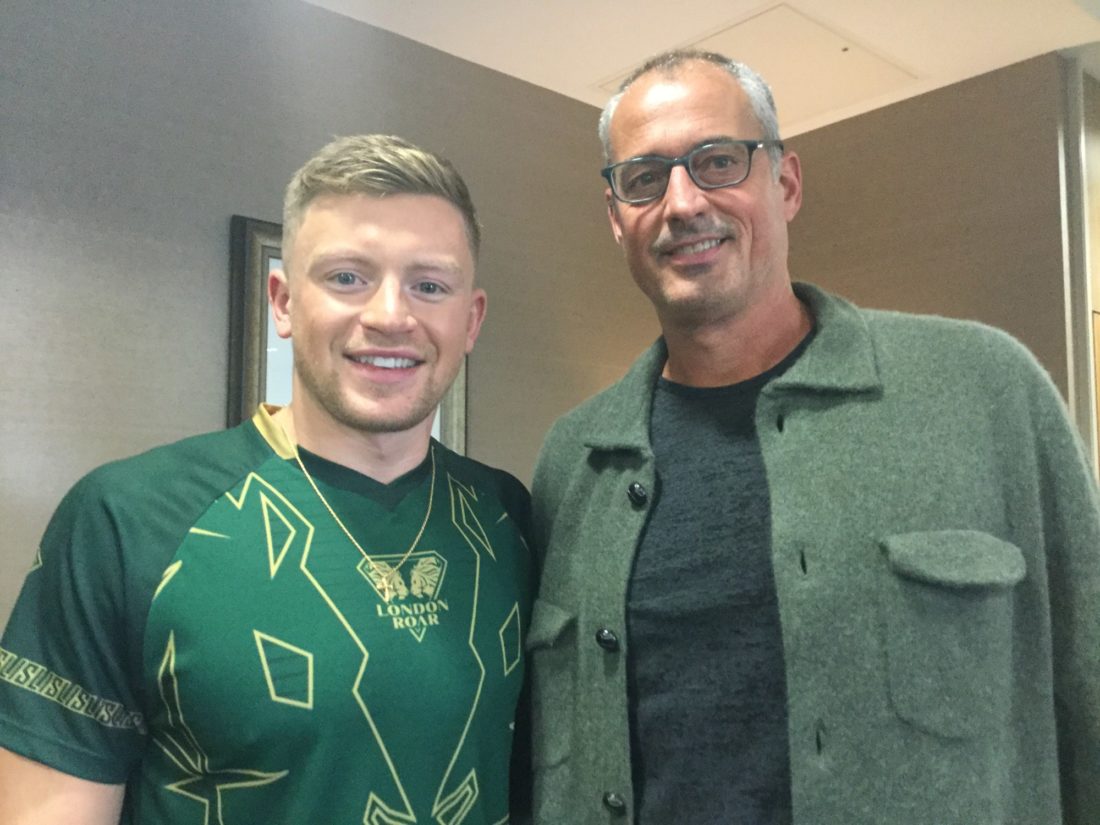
(1096, 368)
(255, 248)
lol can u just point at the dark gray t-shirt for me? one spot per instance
(708, 703)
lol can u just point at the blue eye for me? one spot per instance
(345, 278)
(429, 288)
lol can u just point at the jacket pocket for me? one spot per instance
(949, 625)
(551, 643)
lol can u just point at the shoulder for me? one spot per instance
(173, 481)
(617, 416)
(481, 477)
(957, 350)
(499, 494)
(583, 417)
(923, 351)
(962, 365)
(206, 457)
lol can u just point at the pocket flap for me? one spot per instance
(548, 622)
(956, 558)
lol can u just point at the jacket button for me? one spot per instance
(607, 639)
(637, 494)
(614, 802)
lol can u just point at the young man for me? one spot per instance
(316, 616)
(805, 563)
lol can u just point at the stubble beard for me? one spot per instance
(330, 395)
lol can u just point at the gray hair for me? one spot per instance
(376, 165)
(751, 83)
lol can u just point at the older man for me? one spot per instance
(315, 617)
(805, 563)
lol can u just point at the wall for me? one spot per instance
(131, 130)
(1091, 111)
(949, 203)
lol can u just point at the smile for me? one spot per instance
(696, 248)
(384, 362)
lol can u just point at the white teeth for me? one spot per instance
(695, 248)
(386, 363)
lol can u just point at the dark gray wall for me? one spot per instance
(948, 203)
(130, 130)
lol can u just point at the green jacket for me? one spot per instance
(936, 546)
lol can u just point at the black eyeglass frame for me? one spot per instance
(608, 172)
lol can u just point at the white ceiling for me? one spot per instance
(825, 59)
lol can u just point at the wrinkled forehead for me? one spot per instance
(671, 110)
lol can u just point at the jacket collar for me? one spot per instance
(841, 358)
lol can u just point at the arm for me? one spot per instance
(33, 794)
(1071, 526)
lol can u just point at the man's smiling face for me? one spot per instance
(700, 255)
(381, 306)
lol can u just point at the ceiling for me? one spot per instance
(825, 59)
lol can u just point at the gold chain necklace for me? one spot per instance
(384, 577)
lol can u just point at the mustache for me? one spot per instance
(672, 236)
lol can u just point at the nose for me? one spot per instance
(386, 309)
(683, 199)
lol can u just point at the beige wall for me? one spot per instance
(1091, 94)
(1091, 112)
(132, 130)
(947, 203)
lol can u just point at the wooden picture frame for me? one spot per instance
(254, 246)
(1096, 369)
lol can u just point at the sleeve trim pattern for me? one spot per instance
(29, 675)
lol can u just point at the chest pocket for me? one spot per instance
(949, 625)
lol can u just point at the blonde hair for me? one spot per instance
(376, 165)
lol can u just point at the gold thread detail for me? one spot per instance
(198, 531)
(385, 589)
(262, 638)
(511, 658)
(167, 576)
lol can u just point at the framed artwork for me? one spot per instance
(260, 363)
(1096, 367)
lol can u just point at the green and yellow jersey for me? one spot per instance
(198, 625)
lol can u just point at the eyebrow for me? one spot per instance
(418, 264)
(694, 146)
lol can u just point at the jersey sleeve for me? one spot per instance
(68, 690)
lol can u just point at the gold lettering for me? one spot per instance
(41, 680)
(55, 687)
(107, 711)
(27, 673)
(79, 700)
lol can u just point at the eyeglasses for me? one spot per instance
(710, 166)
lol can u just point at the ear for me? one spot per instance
(613, 216)
(478, 302)
(278, 294)
(790, 182)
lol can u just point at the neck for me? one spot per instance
(382, 456)
(738, 347)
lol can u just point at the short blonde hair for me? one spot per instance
(376, 165)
